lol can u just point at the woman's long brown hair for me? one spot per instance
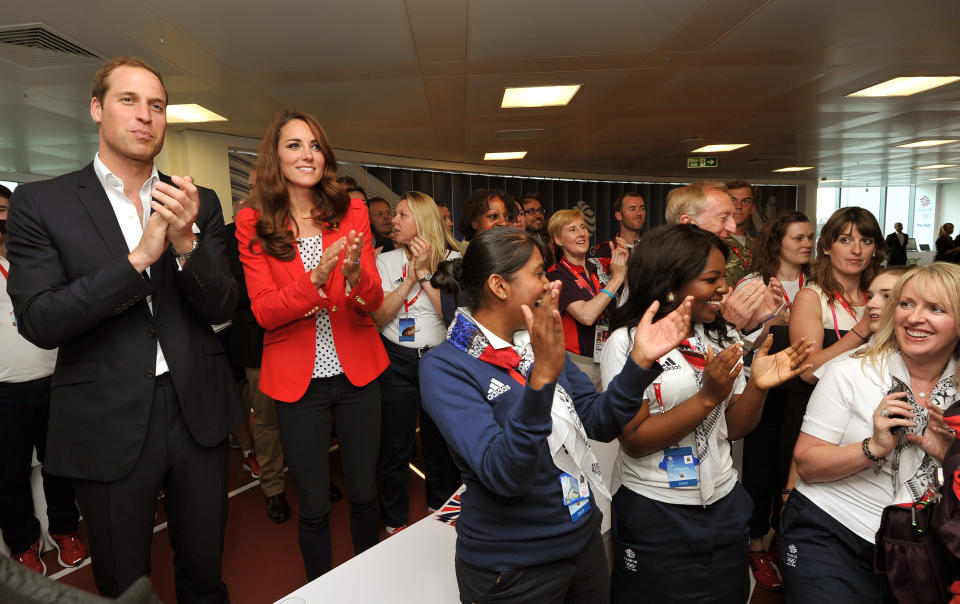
(330, 201)
(821, 271)
(766, 250)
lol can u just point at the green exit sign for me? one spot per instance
(707, 161)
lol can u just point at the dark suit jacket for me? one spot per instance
(896, 253)
(73, 288)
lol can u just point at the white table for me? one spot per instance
(414, 565)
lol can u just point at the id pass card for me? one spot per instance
(407, 326)
(573, 490)
(601, 333)
(681, 467)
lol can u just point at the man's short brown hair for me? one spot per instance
(618, 203)
(740, 184)
(100, 78)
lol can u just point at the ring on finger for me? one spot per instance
(883, 412)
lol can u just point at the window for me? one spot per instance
(897, 209)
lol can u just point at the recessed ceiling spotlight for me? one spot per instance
(794, 169)
(191, 113)
(720, 148)
(905, 86)
(538, 96)
(933, 142)
(499, 155)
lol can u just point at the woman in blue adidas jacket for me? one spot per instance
(518, 429)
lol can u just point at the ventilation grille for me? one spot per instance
(37, 46)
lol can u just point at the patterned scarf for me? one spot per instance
(695, 354)
(943, 396)
(568, 442)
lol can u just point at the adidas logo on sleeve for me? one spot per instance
(496, 389)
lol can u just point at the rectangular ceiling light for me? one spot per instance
(795, 169)
(833, 180)
(720, 148)
(933, 142)
(191, 113)
(937, 166)
(504, 155)
(905, 86)
(538, 96)
(944, 178)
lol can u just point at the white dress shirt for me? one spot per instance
(130, 224)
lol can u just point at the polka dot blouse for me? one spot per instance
(326, 362)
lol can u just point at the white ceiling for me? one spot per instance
(424, 78)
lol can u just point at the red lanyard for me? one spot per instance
(833, 309)
(786, 296)
(659, 395)
(4, 271)
(594, 287)
(407, 305)
(516, 375)
(742, 261)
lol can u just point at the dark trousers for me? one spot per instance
(399, 405)
(767, 453)
(120, 514)
(669, 553)
(824, 561)
(305, 434)
(24, 408)
(578, 580)
(443, 476)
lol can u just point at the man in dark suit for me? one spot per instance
(124, 270)
(897, 246)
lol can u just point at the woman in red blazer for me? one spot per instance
(310, 270)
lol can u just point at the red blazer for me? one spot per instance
(284, 302)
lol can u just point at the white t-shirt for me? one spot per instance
(20, 361)
(427, 324)
(840, 411)
(715, 474)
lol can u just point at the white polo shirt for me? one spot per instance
(428, 326)
(643, 475)
(840, 411)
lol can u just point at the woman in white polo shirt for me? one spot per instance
(680, 518)
(410, 323)
(873, 435)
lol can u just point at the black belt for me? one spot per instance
(404, 349)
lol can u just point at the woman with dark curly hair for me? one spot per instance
(485, 209)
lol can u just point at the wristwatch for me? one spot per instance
(182, 258)
(425, 278)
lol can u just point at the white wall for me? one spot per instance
(948, 204)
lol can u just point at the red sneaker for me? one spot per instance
(393, 530)
(70, 550)
(250, 463)
(31, 559)
(763, 571)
